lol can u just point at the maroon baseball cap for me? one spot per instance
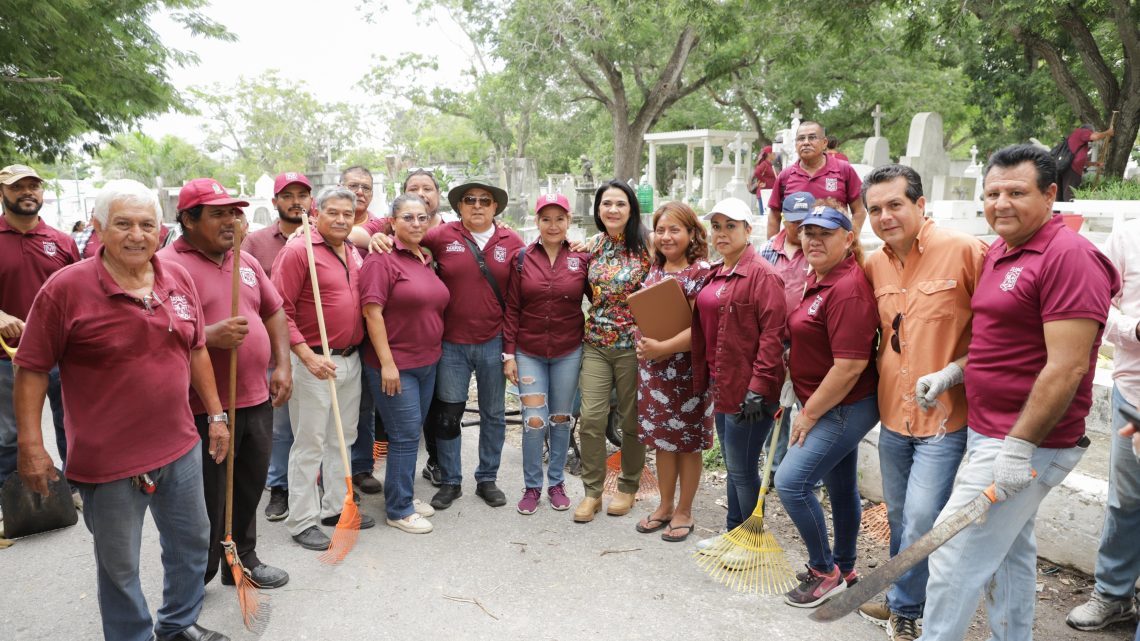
(557, 200)
(765, 151)
(287, 178)
(206, 191)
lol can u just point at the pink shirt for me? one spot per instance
(544, 302)
(1057, 275)
(258, 299)
(125, 369)
(374, 225)
(792, 270)
(473, 314)
(340, 293)
(836, 180)
(707, 313)
(413, 299)
(1123, 249)
(26, 261)
(836, 318)
(264, 245)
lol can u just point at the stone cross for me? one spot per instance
(877, 114)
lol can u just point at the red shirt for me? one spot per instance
(26, 261)
(836, 180)
(544, 302)
(340, 293)
(375, 224)
(792, 270)
(765, 176)
(473, 314)
(258, 300)
(126, 370)
(706, 310)
(264, 245)
(749, 347)
(1057, 275)
(413, 299)
(1079, 145)
(836, 318)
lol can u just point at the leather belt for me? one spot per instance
(348, 351)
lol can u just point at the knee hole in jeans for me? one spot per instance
(560, 418)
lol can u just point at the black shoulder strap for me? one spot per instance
(520, 259)
(486, 272)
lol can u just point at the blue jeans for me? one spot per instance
(554, 381)
(282, 440)
(113, 513)
(831, 453)
(403, 416)
(1118, 559)
(918, 474)
(455, 368)
(740, 445)
(361, 449)
(1001, 548)
(8, 419)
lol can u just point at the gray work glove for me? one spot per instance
(930, 387)
(1013, 469)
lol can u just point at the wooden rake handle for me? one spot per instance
(235, 299)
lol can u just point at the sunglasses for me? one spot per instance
(484, 201)
(895, 325)
(409, 218)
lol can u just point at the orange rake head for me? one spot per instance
(347, 530)
(647, 488)
(254, 606)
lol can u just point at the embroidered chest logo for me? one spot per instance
(454, 247)
(181, 306)
(248, 277)
(50, 247)
(501, 254)
(815, 305)
(1010, 279)
(572, 263)
(831, 184)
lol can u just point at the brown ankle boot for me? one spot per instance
(586, 510)
(621, 504)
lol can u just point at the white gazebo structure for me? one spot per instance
(714, 178)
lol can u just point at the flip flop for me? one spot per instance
(661, 523)
(672, 538)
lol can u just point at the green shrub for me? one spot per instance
(1108, 189)
(712, 459)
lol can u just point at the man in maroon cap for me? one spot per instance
(209, 218)
(30, 251)
(293, 197)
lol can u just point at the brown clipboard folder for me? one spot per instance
(661, 311)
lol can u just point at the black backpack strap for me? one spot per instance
(486, 271)
(520, 259)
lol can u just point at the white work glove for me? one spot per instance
(930, 387)
(787, 394)
(1013, 470)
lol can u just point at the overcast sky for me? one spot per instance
(338, 50)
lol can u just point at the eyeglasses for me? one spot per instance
(484, 201)
(895, 325)
(409, 218)
(364, 189)
(808, 138)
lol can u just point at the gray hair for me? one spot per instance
(125, 192)
(334, 192)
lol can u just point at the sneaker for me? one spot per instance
(367, 483)
(876, 612)
(446, 496)
(77, 500)
(558, 499)
(901, 628)
(1100, 611)
(312, 538)
(365, 521)
(412, 524)
(490, 493)
(851, 578)
(529, 503)
(423, 509)
(816, 589)
(711, 546)
(433, 474)
(278, 506)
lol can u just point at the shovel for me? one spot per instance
(27, 513)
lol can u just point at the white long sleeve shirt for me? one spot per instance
(1123, 249)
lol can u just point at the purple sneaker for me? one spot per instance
(558, 498)
(529, 502)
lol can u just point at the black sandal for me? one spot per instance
(661, 523)
(672, 538)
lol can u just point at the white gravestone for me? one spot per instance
(924, 150)
(877, 150)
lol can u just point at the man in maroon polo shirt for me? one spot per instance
(208, 216)
(315, 442)
(1069, 177)
(30, 251)
(1040, 306)
(833, 182)
(292, 196)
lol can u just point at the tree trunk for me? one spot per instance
(1127, 126)
(627, 150)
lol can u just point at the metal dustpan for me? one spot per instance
(27, 513)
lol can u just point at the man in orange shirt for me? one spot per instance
(923, 279)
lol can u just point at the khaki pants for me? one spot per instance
(604, 370)
(316, 446)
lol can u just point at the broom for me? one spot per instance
(254, 606)
(348, 527)
(763, 568)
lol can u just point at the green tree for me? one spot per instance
(69, 68)
(136, 155)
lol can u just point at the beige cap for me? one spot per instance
(12, 173)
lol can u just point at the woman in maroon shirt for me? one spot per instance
(542, 346)
(833, 337)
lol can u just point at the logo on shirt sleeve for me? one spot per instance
(50, 248)
(454, 247)
(248, 276)
(501, 254)
(1010, 279)
(831, 184)
(181, 306)
(572, 263)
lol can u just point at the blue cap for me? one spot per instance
(797, 206)
(828, 218)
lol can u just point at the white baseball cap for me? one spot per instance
(733, 208)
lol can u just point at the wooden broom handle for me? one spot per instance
(235, 299)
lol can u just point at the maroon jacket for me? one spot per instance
(750, 336)
(544, 302)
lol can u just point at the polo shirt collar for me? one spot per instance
(838, 272)
(1039, 241)
(277, 229)
(778, 241)
(183, 246)
(111, 288)
(39, 230)
(744, 265)
(830, 164)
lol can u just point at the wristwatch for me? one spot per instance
(508, 357)
(218, 418)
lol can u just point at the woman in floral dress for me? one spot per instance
(671, 418)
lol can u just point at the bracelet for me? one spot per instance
(218, 418)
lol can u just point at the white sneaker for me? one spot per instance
(412, 524)
(740, 559)
(423, 509)
(711, 546)
(1100, 611)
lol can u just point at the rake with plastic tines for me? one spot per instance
(647, 488)
(748, 558)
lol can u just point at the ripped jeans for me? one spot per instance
(547, 387)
